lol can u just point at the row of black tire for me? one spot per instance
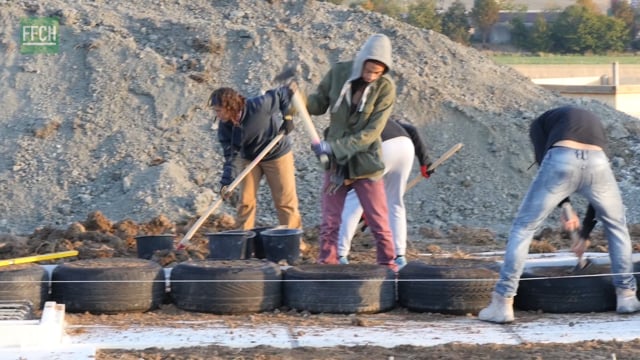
(115, 285)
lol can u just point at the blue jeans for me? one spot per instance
(565, 171)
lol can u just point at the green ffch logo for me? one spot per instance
(39, 35)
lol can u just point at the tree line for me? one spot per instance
(577, 29)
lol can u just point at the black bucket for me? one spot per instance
(228, 245)
(148, 244)
(282, 244)
(257, 249)
(250, 248)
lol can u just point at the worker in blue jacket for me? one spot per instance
(247, 126)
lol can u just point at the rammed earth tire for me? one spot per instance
(557, 289)
(227, 286)
(447, 286)
(28, 282)
(340, 289)
(108, 285)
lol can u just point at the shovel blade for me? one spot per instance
(582, 265)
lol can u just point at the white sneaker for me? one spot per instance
(626, 301)
(499, 311)
(401, 261)
(343, 260)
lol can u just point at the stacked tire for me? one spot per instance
(24, 282)
(340, 289)
(108, 285)
(227, 286)
(562, 289)
(447, 286)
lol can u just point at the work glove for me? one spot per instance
(321, 148)
(230, 197)
(424, 170)
(287, 124)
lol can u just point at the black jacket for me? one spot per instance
(568, 123)
(395, 128)
(260, 123)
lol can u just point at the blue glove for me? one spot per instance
(321, 148)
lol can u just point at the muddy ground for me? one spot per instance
(594, 350)
(99, 236)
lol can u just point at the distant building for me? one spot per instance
(535, 4)
(501, 30)
(633, 3)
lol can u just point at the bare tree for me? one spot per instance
(484, 15)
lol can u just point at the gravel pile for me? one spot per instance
(117, 121)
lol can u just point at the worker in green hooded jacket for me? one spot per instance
(359, 96)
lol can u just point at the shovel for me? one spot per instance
(454, 149)
(230, 188)
(301, 108)
(362, 225)
(583, 262)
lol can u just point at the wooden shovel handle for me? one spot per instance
(230, 188)
(454, 149)
(301, 108)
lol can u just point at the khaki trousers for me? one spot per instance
(280, 175)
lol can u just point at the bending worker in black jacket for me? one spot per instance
(400, 141)
(569, 146)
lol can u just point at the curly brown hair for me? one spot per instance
(228, 99)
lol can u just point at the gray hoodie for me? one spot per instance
(378, 48)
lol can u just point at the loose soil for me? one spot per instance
(593, 350)
(98, 236)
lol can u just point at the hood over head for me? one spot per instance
(378, 48)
